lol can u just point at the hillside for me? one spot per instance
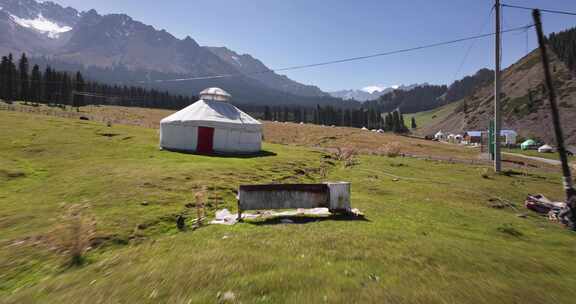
(417, 244)
(427, 118)
(524, 106)
(427, 97)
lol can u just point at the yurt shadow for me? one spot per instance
(261, 153)
(299, 219)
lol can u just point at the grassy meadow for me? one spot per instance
(434, 232)
(426, 118)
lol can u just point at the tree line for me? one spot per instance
(331, 116)
(19, 82)
(564, 45)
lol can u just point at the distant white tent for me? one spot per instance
(211, 125)
(440, 136)
(546, 149)
(510, 136)
(458, 138)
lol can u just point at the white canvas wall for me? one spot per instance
(235, 141)
(178, 137)
(185, 138)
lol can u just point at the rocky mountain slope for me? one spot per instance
(115, 46)
(524, 103)
(254, 68)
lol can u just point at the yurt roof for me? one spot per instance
(545, 147)
(215, 94)
(508, 132)
(529, 142)
(439, 133)
(211, 113)
(474, 133)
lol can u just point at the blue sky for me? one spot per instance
(284, 33)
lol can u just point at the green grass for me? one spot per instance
(427, 118)
(431, 235)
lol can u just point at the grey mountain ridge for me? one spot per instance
(116, 41)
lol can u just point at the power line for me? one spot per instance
(298, 67)
(472, 45)
(541, 9)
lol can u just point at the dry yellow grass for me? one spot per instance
(307, 135)
(363, 141)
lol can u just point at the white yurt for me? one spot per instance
(458, 138)
(546, 149)
(509, 136)
(211, 125)
(440, 136)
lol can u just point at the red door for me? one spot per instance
(205, 140)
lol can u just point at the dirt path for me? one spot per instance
(540, 159)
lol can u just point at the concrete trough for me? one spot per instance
(332, 195)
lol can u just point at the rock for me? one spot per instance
(181, 223)
(144, 203)
(227, 297)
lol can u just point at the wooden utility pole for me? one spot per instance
(566, 174)
(497, 117)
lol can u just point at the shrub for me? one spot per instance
(392, 149)
(200, 200)
(485, 173)
(346, 155)
(74, 233)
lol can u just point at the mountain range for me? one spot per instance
(117, 48)
(371, 92)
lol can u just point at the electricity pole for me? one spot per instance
(497, 118)
(566, 174)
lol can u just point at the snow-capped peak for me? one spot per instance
(43, 25)
(237, 60)
(378, 88)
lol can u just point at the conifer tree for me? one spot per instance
(36, 84)
(24, 85)
(3, 78)
(78, 100)
(267, 115)
(10, 78)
